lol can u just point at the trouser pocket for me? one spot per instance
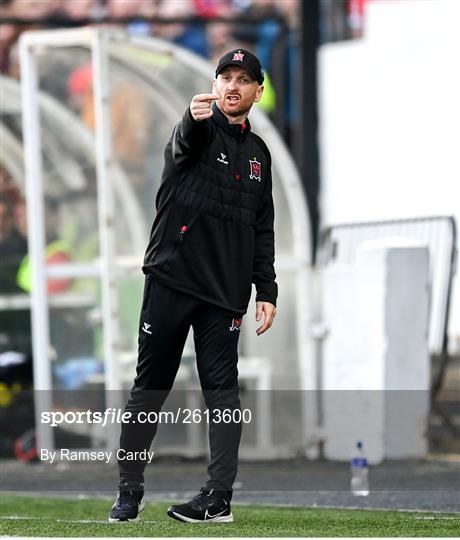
(147, 291)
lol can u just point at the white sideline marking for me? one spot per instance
(104, 521)
(436, 517)
(81, 521)
(20, 517)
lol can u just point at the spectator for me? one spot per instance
(264, 33)
(82, 9)
(209, 9)
(125, 9)
(220, 34)
(29, 10)
(8, 33)
(15, 329)
(220, 39)
(13, 245)
(190, 36)
(56, 252)
(32, 10)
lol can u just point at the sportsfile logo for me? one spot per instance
(146, 327)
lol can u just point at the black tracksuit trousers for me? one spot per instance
(165, 320)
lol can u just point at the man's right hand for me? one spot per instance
(200, 106)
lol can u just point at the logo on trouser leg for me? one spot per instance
(236, 324)
(146, 327)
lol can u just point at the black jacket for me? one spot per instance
(213, 233)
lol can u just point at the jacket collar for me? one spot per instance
(235, 130)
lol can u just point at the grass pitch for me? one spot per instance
(28, 516)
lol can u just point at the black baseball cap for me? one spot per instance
(244, 59)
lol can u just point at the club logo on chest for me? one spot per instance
(255, 170)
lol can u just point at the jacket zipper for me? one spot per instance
(183, 229)
(186, 228)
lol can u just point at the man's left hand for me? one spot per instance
(268, 310)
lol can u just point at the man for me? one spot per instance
(211, 238)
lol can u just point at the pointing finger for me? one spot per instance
(206, 97)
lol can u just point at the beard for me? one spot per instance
(239, 112)
(234, 113)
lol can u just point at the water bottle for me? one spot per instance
(359, 472)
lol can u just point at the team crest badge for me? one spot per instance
(256, 170)
(236, 325)
(238, 56)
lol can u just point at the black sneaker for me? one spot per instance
(129, 503)
(209, 506)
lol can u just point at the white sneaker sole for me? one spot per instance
(217, 519)
(133, 520)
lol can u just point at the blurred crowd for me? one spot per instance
(208, 40)
(269, 28)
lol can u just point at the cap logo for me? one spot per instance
(238, 56)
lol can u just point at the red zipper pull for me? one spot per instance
(182, 231)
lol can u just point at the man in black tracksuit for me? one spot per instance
(212, 237)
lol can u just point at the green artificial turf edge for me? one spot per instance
(29, 516)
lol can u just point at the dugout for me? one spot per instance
(97, 109)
